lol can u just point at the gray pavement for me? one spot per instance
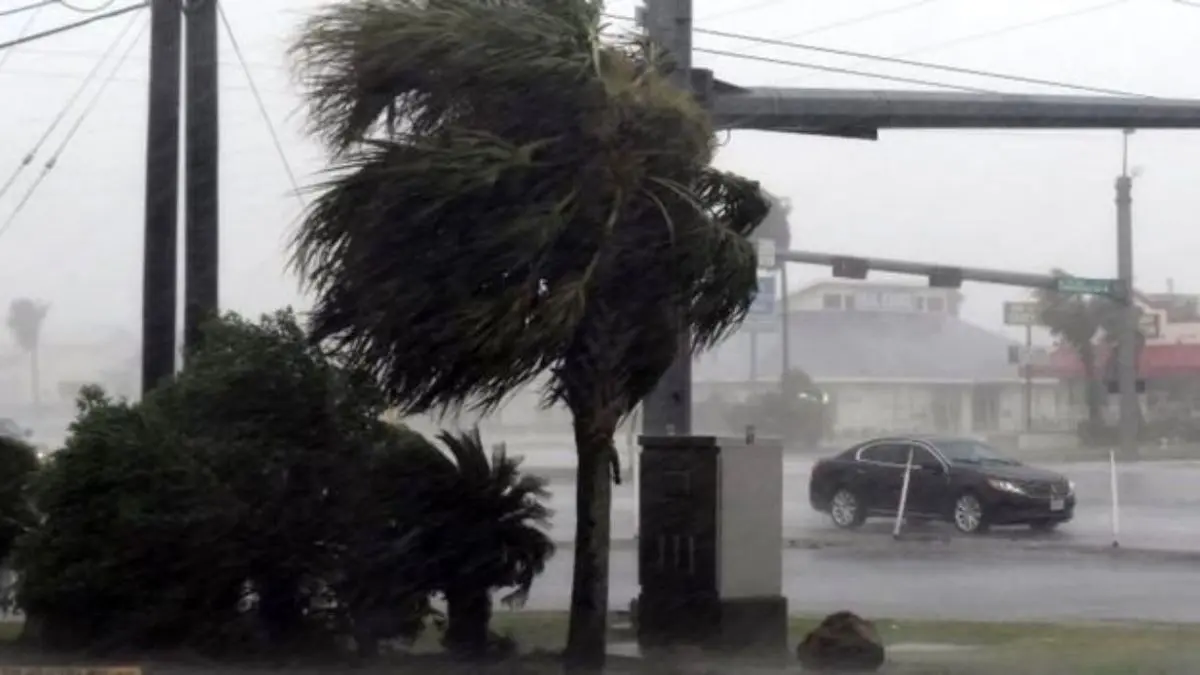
(1010, 574)
(920, 581)
(1159, 510)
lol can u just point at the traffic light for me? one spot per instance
(845, 267)
(946, 277)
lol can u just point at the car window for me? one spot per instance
(968, 451)
(890, 453)
(921, 456)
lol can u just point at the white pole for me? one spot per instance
(635, 472)
(1116, 517)
(903, 495)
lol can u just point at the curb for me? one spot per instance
(929, 543)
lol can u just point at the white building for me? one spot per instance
(892, 358)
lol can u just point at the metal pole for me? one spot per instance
(785, 328)
(1027, 367)
(668, 409)
(1127, 339)
(160, 253)
(201, 281)
(753, 356)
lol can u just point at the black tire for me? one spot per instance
(1044, 525)
(969, 515)
(846, 509)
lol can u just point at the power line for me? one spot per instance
(258, 99)
(917, 64)
(28, 8)
(62, 114)
(87, 10)
(70, 135)
(1012, 28)
(763, 4)
(863, 57)
(861, 18)
(841, 71)
(28, 26)
(33, 37)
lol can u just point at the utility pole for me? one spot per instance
(1127, 352)
(201, 253)
(160, 251)
(668, 409)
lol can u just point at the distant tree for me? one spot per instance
(25, 318)
(518, 196)
(1077, 320)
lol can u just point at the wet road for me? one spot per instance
(1159, 510)
(922, 581)
(1010, 574)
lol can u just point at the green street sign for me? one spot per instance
(1088, 286)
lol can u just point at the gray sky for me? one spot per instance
(1019, 200)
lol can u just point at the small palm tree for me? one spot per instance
(25, 318)
(514, 197)
(478, 525)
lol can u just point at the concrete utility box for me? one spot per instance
(710, 551)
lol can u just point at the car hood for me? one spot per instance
(1018, 472)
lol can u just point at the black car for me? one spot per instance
(960, 480)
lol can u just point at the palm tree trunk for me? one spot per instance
(1091, 392)
(588, 630)
(468, 615)
(35, 380)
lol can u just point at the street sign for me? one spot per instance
(1089, 286)
(762, 317)
(1021, 314)
(766, 253)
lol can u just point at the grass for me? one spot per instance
(990, 648)
(9, 630)
(995, 647)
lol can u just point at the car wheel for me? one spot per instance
(969, 516)
(1044, 525)
(846, 510)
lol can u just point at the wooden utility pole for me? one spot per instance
(201, 254)
(162, 197)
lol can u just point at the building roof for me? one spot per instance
(863, 285)
(867, 346)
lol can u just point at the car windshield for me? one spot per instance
(966, 451)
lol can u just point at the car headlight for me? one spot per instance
(1070, 487)
(1006, 486)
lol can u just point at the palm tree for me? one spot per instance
(514, 197)
(489, 532)
(1076, 320)
(25, 318)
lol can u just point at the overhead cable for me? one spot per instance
(33, 37)
(28, 8)
(840, 71)
(70, 135)
(258, 99)
(62, 113)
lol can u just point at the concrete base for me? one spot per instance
(754, 627)
(750, 627)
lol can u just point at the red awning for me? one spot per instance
(1157, 361)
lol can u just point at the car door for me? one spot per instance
(882, 475)
(928, 481)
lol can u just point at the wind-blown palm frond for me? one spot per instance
(509, 190)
